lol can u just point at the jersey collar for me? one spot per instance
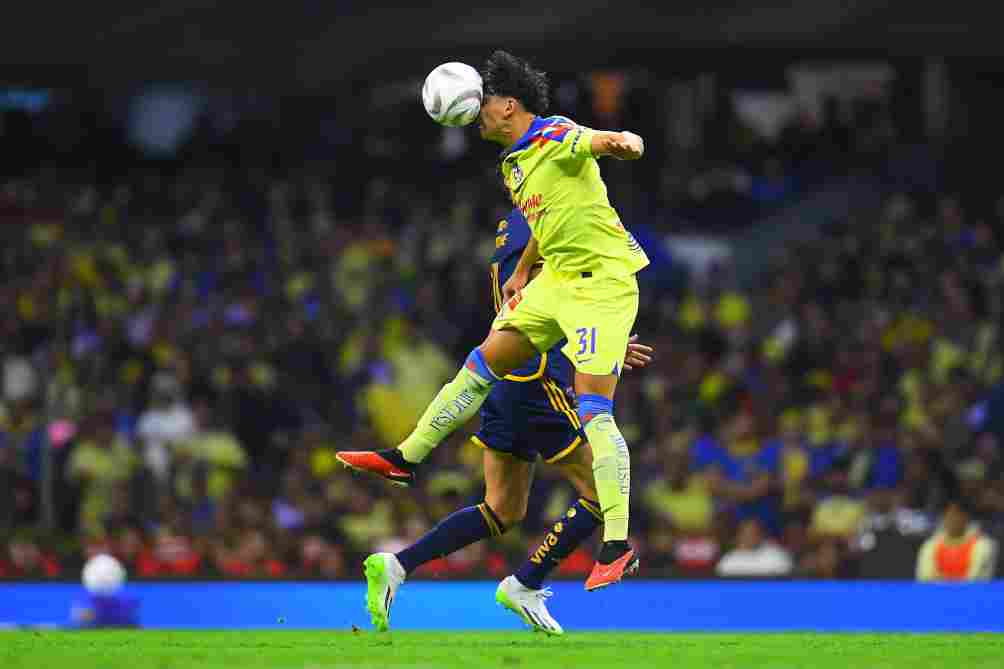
(524, 141)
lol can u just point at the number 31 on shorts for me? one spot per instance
(587, 341)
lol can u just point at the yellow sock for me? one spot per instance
(455, 404)
(612, 470)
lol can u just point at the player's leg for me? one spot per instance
(500, 353)
(523, 327)
(598, 315)
(507, 487)
(612, 474)
(456, 403)
(575, 527)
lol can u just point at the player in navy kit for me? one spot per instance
(526, 415)
(530, 412)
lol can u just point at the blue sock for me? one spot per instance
(593, 405)
(476, 363)
(567, 534)
(461, 528)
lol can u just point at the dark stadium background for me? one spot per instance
(244, 208)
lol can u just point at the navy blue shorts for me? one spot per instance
(529, 418)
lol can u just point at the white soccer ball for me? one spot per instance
(103, 575)
(452, 94)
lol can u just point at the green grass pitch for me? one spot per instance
(150, 649)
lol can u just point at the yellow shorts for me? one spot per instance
(594, 313)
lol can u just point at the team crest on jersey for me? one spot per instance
(516, 178)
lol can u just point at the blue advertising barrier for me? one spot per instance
(635, 605)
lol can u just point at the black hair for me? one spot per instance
(505, 75)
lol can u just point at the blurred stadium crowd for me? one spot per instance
(184, 351)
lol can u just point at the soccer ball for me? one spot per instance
(103, 575)
(452, 94)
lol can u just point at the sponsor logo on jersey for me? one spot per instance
(529, 204)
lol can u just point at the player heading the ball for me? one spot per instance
(586, 293)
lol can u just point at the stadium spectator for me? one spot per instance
(130, 548)
(167, 423)
(741, 470)
(829, 560)
(251, 557)
(320, 558)
(25, 558)
(839, 514)
(173, 553)
(681, 522)
(208, 458)
(754, 555)
(100, 464)
(21, 442)
(959, 551)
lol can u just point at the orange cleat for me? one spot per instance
(386, 464)
(608, 574)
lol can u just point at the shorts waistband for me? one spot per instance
(601, 273)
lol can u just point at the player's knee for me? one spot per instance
(509, 512)
(478, 364)
(586, 485)
(594, 405)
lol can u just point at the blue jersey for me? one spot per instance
(511, 238)
(529, 413)
(744, 468)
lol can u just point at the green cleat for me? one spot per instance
(384, 575)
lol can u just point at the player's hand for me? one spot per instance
(516, 283)
(628, 146)
(638, 355)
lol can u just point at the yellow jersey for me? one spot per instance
(554, 180)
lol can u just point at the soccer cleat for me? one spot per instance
(607, 573)
(530, 605)
(389, 464)
(384, 575)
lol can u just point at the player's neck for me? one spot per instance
(520, 125)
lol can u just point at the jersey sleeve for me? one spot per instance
(566, 140)
(579, 142)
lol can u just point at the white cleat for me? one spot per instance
(384, 575)
(530, 605)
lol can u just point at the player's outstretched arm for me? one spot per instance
(620, 145)
(638, 355)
